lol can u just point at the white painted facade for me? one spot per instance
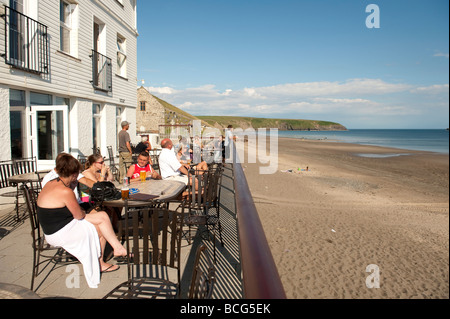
(70, 97)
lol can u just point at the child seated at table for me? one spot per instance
(143, 164)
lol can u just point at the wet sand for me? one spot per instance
(356, 206)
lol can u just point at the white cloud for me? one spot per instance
(352, 87)
(347, 102)
(186, 105)
(445, 55)
(161, 90)
(432, 89)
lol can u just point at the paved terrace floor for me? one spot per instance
(16, 256)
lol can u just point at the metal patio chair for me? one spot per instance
(203, 202)
(44, 254)
(203, 275)
(112, 164)
(153, 242)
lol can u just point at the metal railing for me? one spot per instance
(174, 131)
(26, 42)
(101, 72)
(259, 272)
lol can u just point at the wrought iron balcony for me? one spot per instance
(101, 72)
(26, 42)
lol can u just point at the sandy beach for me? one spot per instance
(349, 211)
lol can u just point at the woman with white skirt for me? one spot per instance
(66, 224)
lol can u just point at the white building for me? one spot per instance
(68, 76)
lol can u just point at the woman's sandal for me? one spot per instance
(124, 259)
(108, 269)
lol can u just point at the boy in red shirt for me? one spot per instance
(142, 165)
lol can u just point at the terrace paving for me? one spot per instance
(16, 257)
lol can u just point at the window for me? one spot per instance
(68, 27)
(121, 56)
(40, 99)
(96, 131)
(16, 5)
(142, 105)
(62, 101)
(17, 123)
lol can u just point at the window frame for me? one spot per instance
(121, 43)
(68, 29)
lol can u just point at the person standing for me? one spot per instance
(229, 136)
(125, 152)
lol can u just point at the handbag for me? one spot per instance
(102, 191)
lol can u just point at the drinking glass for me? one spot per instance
(125, 193)
(143, 175)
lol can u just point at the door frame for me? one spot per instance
(44, 164)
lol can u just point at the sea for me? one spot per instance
(419, 140)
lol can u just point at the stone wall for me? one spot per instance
(153, 116)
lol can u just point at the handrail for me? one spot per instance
(101, 72)
(260, 275)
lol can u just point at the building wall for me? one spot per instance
(153, 116)
(70, 75)
(5, 137)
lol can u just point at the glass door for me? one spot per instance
(50, 133)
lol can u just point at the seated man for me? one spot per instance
(143, 164)
(169, 165)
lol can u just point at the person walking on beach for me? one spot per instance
(125, 152)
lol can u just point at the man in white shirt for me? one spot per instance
(169, 165)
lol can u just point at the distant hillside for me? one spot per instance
(182, 114)
(222, 122)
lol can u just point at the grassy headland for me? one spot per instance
(222, 122)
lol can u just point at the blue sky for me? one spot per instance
(300, 59)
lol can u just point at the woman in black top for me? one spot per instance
(66, 224)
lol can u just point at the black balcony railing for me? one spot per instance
(101, 72)
(26, 42)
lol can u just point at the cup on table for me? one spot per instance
(125, 193)
(143, 175)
